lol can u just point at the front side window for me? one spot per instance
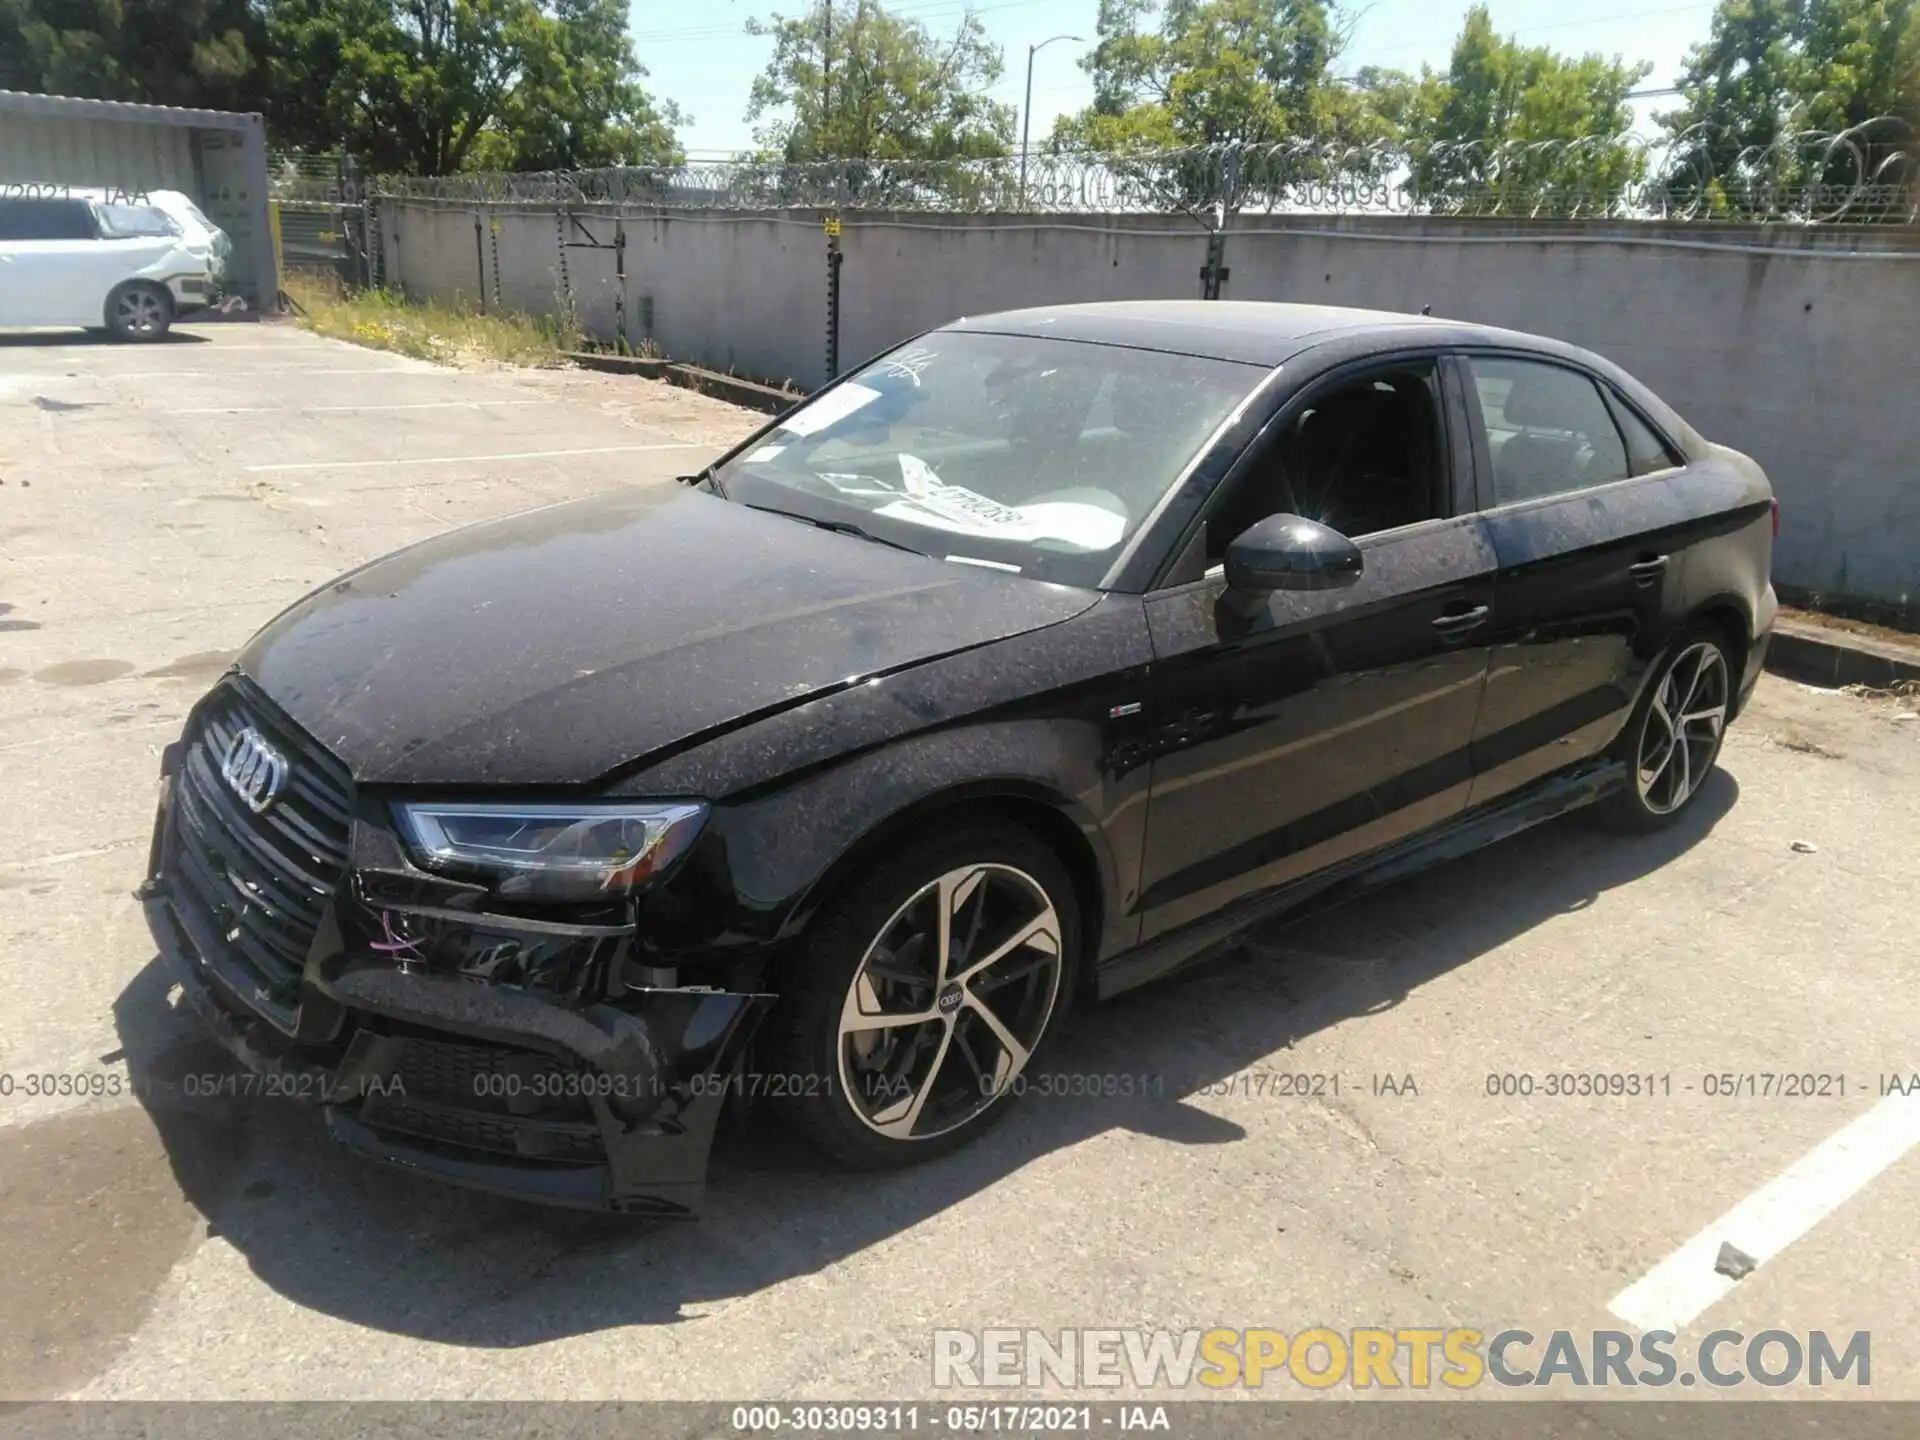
(1361, 457)
(1548, 429)
(1033, 455)
(33, 219)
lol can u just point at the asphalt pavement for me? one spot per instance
(167, 1240)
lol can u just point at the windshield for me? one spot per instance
(129, 221)
(1039, 456)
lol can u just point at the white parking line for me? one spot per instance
(267, 370)
(1684, 1284)
(476, 459)
(336, 409)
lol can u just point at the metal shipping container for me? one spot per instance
(218, 157)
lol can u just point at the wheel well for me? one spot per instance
(1036, 816)
(1731, 620)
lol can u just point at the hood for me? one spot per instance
(553, 647)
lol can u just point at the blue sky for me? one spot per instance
(699, 54)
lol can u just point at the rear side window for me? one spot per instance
(120, 222)
(46, 220)
(1646, 451)
(1548, 429)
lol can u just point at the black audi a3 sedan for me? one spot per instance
(1032, 659)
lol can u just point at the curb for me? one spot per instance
(748, 393)
(1815, 655)
(618, 364)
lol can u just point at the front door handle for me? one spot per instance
(1646, 571)
(1461, 621)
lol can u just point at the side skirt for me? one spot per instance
(1553, 796)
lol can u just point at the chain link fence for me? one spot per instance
(321, 215)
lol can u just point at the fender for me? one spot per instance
(875, 761)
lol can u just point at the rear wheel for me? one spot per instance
(140, 311)
(1674, 736)
(925, 994)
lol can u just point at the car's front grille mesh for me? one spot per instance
(481, 1096)
(257, 883)
(491, 1134)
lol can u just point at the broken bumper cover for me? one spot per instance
(422, 1063)
(603, 1107)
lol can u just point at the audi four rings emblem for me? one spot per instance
(254, 770)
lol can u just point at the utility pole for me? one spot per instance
(826, 68)
(1026, 111)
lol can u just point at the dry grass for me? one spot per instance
(452, 332)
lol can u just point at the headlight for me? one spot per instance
(562, 852)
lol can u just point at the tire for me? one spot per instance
(1664, 777)
(140, 311)
(882, 1096)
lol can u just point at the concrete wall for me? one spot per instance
(903, 275)
(1797, 346)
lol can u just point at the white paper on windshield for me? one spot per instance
(930, 501)
(830, 408)
(765, 452)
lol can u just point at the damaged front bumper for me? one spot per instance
(508, 1054)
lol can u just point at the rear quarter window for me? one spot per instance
(1646, 451)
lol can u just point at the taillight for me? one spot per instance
(1776, 517)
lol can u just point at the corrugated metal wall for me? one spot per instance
(98, 152)
(230, 202)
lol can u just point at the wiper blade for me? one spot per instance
(839, 527)
(709, 476)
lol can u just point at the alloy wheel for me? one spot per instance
(139, 312)
(949, 1001)
(1683, 728)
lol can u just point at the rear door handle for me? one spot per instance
(1648, 570)
(1461, 622)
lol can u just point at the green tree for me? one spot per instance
(1210, 72)
(1242, 90)
(425, 86)
(1514, 125)
(1774, 69)
(434, 86)
(863, 84)
(203, 53)
(580, 102)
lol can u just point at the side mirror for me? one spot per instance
(1286, 552)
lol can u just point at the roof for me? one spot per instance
(69, 107)
(1255, 332)
(1269, 333)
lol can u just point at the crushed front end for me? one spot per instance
(525, 1045)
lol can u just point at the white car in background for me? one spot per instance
(102, 260)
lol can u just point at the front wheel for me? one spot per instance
(140, 311)
(1674, 736)
(924, 995)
